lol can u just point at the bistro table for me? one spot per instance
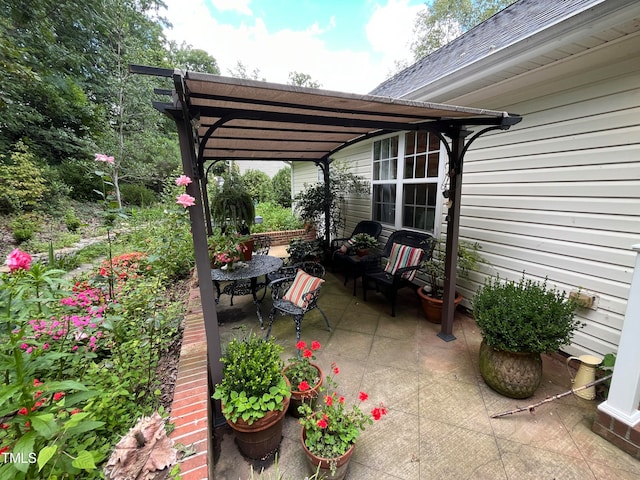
(250, 270)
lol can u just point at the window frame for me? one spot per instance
(400, 182)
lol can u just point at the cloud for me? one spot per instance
(277, 53)
(240, 6)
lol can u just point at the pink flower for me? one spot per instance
(363, 396)
(101, 157)
(58, 396)
(301, 345)
(307, 354)
(183, 181)
(18, 260)
(315, 345)
(185, 200)
(322, 423)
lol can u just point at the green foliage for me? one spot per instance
(364, 241)
(524, 316)
(71, 220)
(137, 194)
(302, 80)
(232, 207)
(252, 382)
(443, 20)
(258, 185)
(468, 260)
(23, 186)
(300, 249)
(275, 218)
(24, 227)
(282, 186)
(314, 199)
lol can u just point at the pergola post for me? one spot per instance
(456, 154)
(624, 393)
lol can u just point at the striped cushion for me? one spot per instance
(301, 286)
(403, 256)
(346, 246)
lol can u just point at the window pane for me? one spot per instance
(409, 141)
(434, 143)
(393, 174)
(420, 166)
(432, 195)
(432, 170)
(393, 150)
(408, 167)
(421, 194)
(376, 151)
(421, 146)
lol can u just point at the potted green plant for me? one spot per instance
(362, 243)
(254, 394)
(232, 208)
(304, 375)
(519, 321)
(330, 431)
(432, 293)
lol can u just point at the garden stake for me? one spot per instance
(531, 408)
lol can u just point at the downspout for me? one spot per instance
(324, 165)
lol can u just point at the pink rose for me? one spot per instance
(183, 181)
(186, 200)
(18, 260)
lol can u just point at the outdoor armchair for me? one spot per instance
(404, 251)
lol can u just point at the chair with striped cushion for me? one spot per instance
(295, 296)
(404, 251)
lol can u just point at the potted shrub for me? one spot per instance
(254, 394)
(232, 208)
(431, 295)
(304, 376)
(330, 431)
(362, 243)
(519, 321)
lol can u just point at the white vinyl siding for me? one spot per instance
(558, 196)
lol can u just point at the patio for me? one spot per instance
(438, 423)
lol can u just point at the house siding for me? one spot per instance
(558, 196)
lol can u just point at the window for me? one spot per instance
(406, 172)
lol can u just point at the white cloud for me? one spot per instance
(240, 6)
(276, 53)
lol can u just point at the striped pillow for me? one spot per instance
(300, 288)
(346, 246)
(403, 256)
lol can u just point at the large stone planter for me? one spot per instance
(513, 374)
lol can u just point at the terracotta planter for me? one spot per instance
(248, 252)
(263, 436)
(310, 396)
(362, 252)
(513, 374)
(432, 307)
(341, 463)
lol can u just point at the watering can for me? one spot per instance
(586, 374)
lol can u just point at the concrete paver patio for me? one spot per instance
(439, 424)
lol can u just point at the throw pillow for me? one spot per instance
(346, 246)
(298, 292)
(403, 256)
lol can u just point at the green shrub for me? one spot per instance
(72, 222)
(275, 218)
(24, 227)
(23, 185)
(137, 194)
(524, 316)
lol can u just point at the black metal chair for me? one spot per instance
(345, 259)
(307, 301)
(390, 278)
(261, 246)
(312, 268)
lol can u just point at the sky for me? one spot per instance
(345, 45)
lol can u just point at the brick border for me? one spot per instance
(191, 408)
(623, 436)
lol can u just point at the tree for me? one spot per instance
(282, 186)
(302, 80)
(258, 184)
(242, 71)
(444, 20)
(193, 59)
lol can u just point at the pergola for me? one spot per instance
(221, 118)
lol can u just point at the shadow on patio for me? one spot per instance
(438, 424)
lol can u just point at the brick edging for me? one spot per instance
(191, 408)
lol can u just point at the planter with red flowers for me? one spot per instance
(305, 377)
(329, 432)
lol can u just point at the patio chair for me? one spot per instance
(261, 246)
(405, 250)
(344, 258)
(296, 295)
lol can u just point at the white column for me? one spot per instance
(624, 394)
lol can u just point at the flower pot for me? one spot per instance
(248, 249)
(340, 464)
(263, 436)
(432, 306)
(513, 374)
(309, 396)
(362, 252)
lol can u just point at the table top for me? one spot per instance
(257, 266)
